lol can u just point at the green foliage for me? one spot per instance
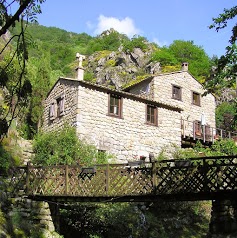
(138, 79)
(186, 51)
(110, 63)
(219, 147)
(5, 159)
(9, 153)
(2, 218)
(226, 114)
(89, 77)
(226, 68)
(164, 56)
(161, 219)
(110, 41)
(15, 56)
(136, 42)
(64, 147)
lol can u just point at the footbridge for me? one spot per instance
(204, 178)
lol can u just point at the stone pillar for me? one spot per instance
(223, 217)
(54, 208)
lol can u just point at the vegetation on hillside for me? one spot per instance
(14, 55)
(63, 147)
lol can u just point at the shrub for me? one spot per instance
(64, 147)
(9, 152)
(136, 42)
(220, 147)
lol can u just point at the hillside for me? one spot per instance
(112, 49)
(112, 59)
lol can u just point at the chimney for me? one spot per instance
(80, 69)
(184, 66)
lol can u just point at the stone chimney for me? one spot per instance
(184, 66)
(80, 69)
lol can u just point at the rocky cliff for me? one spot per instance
(120, 68)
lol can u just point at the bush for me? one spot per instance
(225, 116)
(220, 147)
(136, 42)
(64, 147)
(9, 152)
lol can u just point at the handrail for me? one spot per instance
(188, 129)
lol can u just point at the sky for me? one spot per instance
(160, 21)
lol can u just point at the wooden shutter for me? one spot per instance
(61, 105)
(52, 111)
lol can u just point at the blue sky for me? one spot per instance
(159, 21)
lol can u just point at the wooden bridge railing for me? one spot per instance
(192, 179)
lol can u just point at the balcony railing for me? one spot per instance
(206, 133)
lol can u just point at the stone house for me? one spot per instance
(181, 89)
(143, 119)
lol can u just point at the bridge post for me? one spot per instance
(204, 174)
(223, 217)
(107, 179)
(154, 178)
(54, 209)
(66, 179)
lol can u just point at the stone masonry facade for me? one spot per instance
(160, 88)
(127, 137)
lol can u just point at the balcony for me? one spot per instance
(194, 130)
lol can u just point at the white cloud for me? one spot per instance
(89, 25)
(159, 43)
(125, 26)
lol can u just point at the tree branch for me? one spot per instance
(16, 16)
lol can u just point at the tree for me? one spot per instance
(186, 51)
(226, 70)
(164, 56)
(18, 87)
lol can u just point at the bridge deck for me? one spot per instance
(205, 178)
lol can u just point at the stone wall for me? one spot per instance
(68, 89)
(224, 217)
(161, 88)
(128, 137)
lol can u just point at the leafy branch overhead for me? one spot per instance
(225, 73)
(221, 22)
(13, 65)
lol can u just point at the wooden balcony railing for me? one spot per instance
(206, 133)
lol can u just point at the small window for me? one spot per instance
(196, 99)
(176, 92)
(115, 105)
(151, 115)
(60, 106)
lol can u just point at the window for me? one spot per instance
(60, 106)
(176, 92)
(56, 108)
(115, 105)
(196, 99)
(151, 115)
